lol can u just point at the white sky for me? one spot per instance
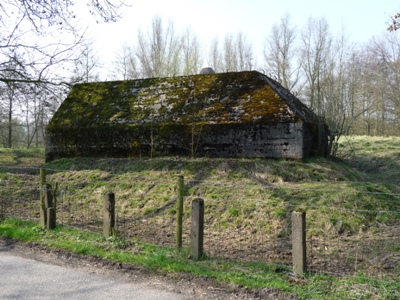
(362, 19)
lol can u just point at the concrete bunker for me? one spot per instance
(237, 114)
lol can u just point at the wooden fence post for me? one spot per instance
(197, 229)
(179, 214)
(109, 215)
(43, 212)
(50, 208)
(299, 242)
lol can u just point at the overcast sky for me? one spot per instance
(362, 19)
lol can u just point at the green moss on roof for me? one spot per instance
(225, 98)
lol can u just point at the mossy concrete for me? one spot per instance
(241, 114)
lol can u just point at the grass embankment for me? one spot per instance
(355, 197)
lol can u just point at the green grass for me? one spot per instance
(21, 157)
(239, 186)
(251, 275)
(356, 196)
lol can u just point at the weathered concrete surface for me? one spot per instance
(239, 114)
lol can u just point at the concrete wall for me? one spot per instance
(282, 140)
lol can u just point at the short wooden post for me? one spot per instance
(179, 214)
(299, 242)
(51, 218)
(50, 209)
(43, 212)
(109, 215)
(48, 197)
(197, 229)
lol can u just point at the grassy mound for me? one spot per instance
(352, 205)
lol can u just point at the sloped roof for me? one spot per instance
(223, 98)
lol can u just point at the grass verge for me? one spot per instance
(250, 275)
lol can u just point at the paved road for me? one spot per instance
(22, 278)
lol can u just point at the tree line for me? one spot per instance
(353, 87)
(40, 42)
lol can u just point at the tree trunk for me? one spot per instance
(10, 114)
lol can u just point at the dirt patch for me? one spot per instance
(194, 287)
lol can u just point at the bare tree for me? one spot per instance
(340, 90)
(143, 56)
(38, 41)
(315, 51)
(31, 29)
(316, 45)
(236, 54)
(190, 52)
(10, 92)
(280, 53)
(87, 64)
(245, 55)
(230, 59)
(214, 59)
(158, 50)
(386, 56)
(392, 79)
(125, 64)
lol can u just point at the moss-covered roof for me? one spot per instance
(224, 98)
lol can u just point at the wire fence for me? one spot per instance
(234, 228)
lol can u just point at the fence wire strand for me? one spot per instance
(334, 251)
